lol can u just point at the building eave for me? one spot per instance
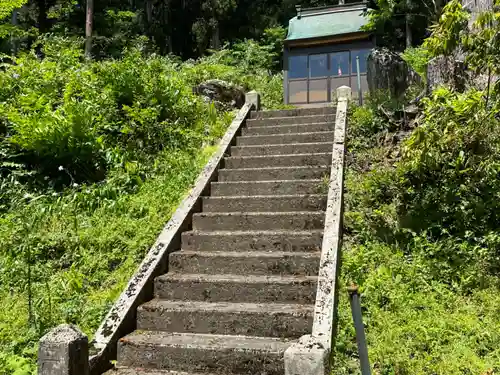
(331, 39)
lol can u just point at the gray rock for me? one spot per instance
(386, 70)
(447, 71)
(223, 94)
(452, 71)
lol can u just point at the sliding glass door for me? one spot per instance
(318, 78)
(340, 72)
(314, 78)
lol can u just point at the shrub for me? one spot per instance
(94, 158)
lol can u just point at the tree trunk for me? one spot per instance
(215, 40)
(409, 39)
(42, 16)
(149, 12)
(89, 28)
(14, 41)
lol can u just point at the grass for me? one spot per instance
(101, 249)
(417, 320)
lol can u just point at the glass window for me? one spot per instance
(318, 65)
(297, 67)
(318, 90)
(363, 56)
(354, 83)
(339, 64)
(336, 82)
(297, 92)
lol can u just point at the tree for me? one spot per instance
(88, 28)
(207, 27)
(8, 6)
(399, 24)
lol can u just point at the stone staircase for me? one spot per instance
(242, 289)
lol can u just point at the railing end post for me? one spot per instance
(307, 356)
(63, 351)
(253, 98)
(344, 93)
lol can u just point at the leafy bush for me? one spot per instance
(450, 167)
(421, 239)
(417, 58)
(94, 158)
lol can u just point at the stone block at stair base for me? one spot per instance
(307, 356)
(63, 351)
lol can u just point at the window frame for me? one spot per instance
(328, 51)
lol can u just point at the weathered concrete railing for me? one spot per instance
(312, 354)
(65, 350)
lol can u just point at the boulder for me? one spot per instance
(222, 93)
(387, 71)
(447, 71)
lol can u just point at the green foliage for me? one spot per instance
(421, 238)
(368, 125)
(456, 147)
(388, 18)
(415, 323)
(8, 6)
(185, 28)
(446, 33)
(274, 38)
(94, 158)
(417, 58)
(83, 117)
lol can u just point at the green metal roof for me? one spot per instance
(327, 22)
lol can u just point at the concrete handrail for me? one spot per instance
(66, 344)
(312, 353)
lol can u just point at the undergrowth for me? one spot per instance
(94, 158)
(421, 238)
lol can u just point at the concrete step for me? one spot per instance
(265, 203)
(143, 371)
(299, 220)
(288, 120)
(245, 263)
(296, 160)
(274, 139)
(294, 112)
(236, 288)
(225, 318)
(272, 173)
(203, 353)
(286, 241)
(288, 129)
(277, 187)
(285, 149)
